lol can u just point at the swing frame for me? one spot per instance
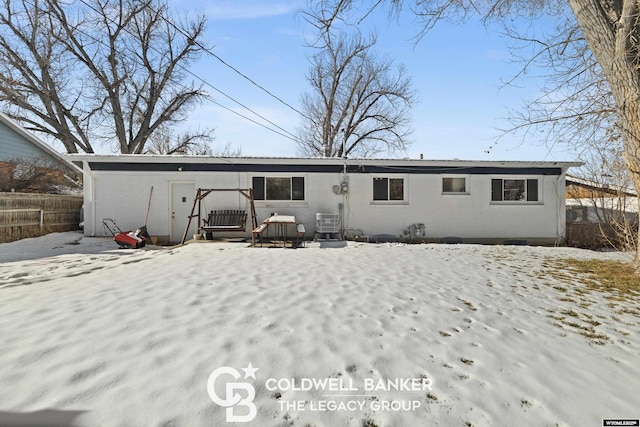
(220, 220)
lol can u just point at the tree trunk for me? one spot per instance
(612, 36)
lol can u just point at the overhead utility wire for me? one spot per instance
(253, 82)
(286, 133)
(254, 121)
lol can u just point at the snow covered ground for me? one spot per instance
(363, 335)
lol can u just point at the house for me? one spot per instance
(475, 201)
(590, 201)
(24, 157)
(599, 213)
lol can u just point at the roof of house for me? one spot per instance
(209, 163)
(154, 158)
(601, 186)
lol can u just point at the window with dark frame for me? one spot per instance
(514, 190)
(278, 188)
(388, 189)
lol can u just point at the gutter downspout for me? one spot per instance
(344, 189)
(89, 197)
(561, 209)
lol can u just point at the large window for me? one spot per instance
(278, 188)
(388, 189)
(454, 185)
(514, 190)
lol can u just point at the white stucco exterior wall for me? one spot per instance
(124, 195)
(470, 216)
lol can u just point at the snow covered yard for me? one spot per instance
(494, 335)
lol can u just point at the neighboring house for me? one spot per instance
(599, 214)
(470, 200)
(596, 202)
(25, 157)
(581, 188)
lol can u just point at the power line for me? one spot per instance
(284, 132)
(225, 63)
(288, 134)
(253, 121)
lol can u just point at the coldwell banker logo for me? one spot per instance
(238, 395)
(337, 394)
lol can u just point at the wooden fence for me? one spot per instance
(593, 235)
(30, 215)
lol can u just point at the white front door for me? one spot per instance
(182, 195)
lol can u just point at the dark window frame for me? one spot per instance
(515, 190)
(272, 188)
(388, 189)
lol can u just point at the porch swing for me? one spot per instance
(221, 220)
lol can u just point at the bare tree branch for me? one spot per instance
(96, 70)
(360, 103)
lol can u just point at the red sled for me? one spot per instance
(127, 239)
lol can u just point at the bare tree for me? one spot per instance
(360, 103)
(602, 202)
(575, 108)
(165, 141)
(96, 70)
(598, 43)
(613, 35)
(227, 150)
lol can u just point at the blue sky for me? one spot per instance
(457, 70)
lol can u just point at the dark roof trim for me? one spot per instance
(210, 167)
(335, 168)
(455, 170)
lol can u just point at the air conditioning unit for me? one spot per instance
(327, 223)
(417, 232)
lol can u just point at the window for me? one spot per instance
(454, 185)
(278, 188)
(388, 189)
(577, 214)
(514, 190)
